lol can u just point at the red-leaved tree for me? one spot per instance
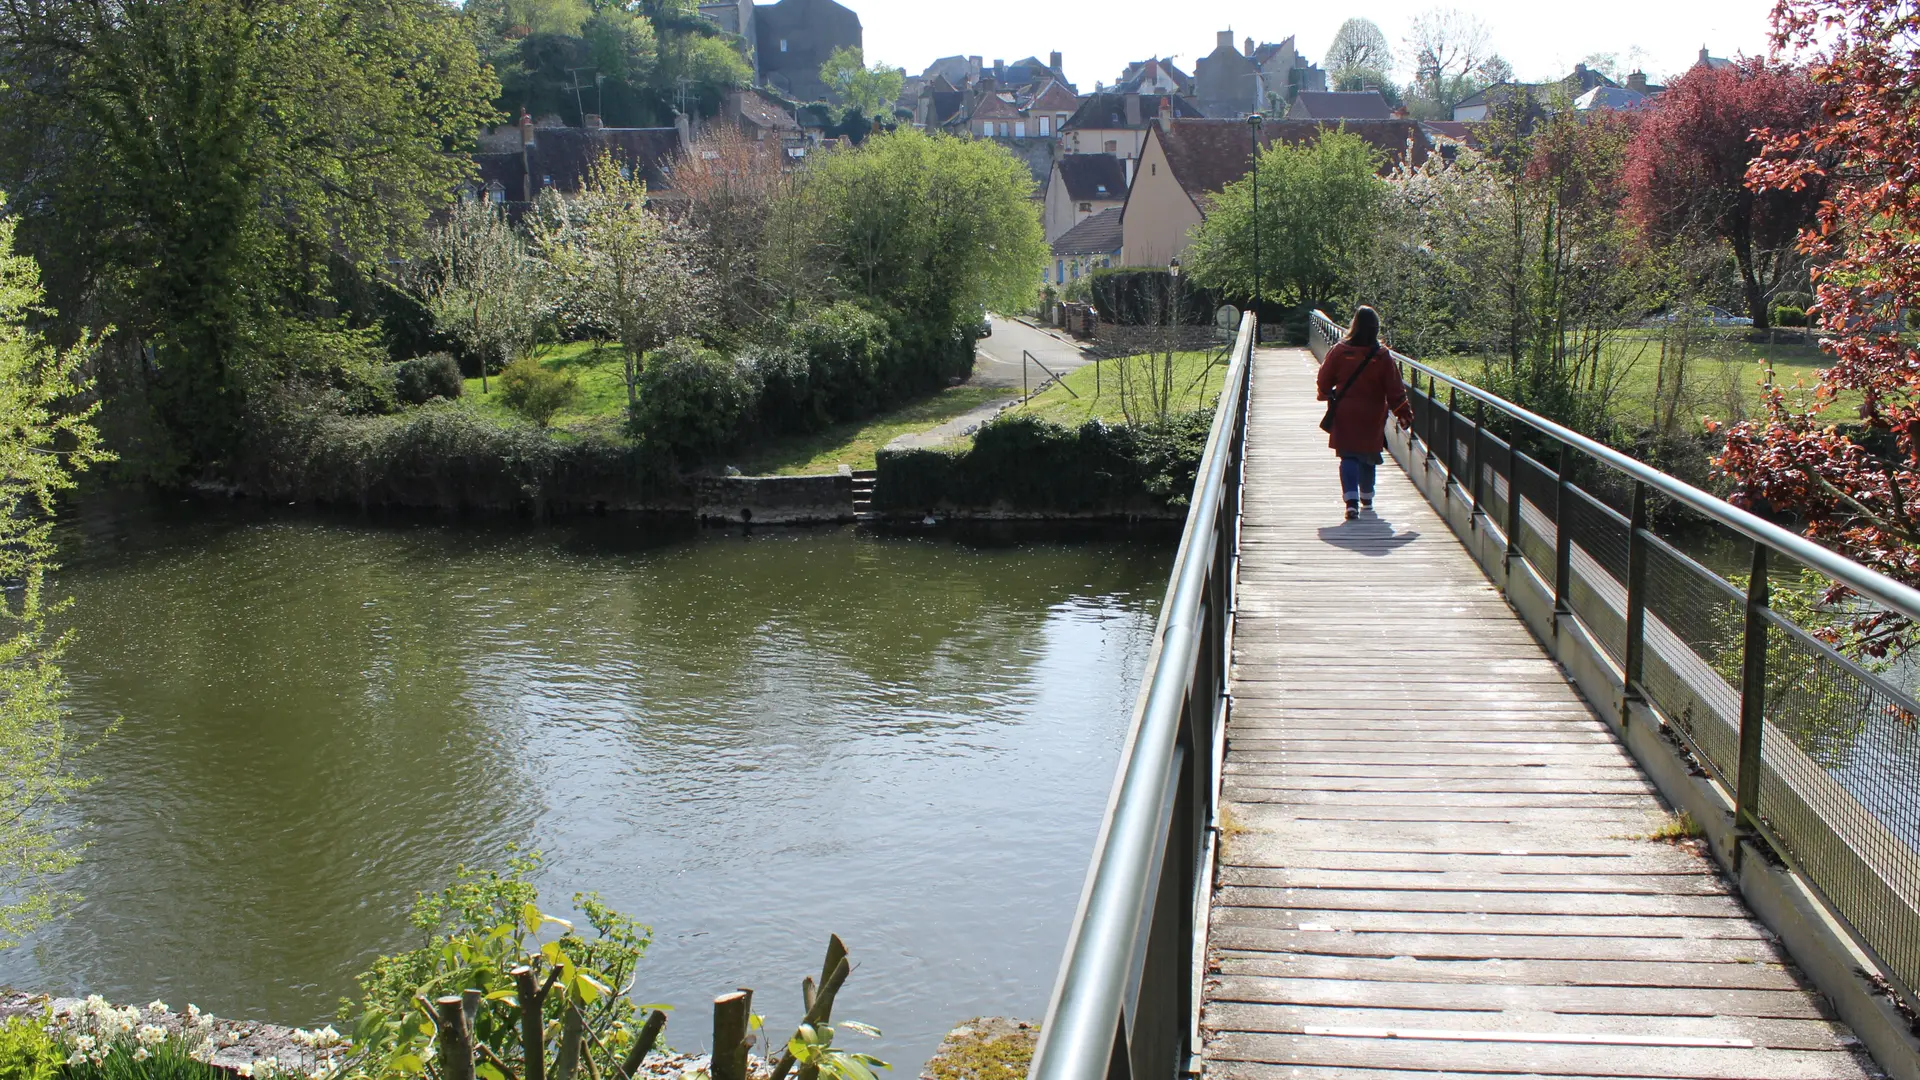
(1855, 486)
(1687, 168)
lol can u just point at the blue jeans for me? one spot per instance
(1356, 476)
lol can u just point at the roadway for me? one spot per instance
(997, 357)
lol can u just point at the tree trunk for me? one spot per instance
(1750, 281)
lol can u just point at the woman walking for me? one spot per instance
(1360, 384)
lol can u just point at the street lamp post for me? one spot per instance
(1254, 121)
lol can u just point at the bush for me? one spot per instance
(423, 378)
(27, 1052)
(1148, 296)
(536, 391)
(693, 401)
(1028, 465)
(298, 446)
(846, 348)
(1789, 316)
(786, 387)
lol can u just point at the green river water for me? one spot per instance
(746, 740)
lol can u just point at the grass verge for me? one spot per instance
(854, 443)
(1120, 390)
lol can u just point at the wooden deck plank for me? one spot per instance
(1438, 859)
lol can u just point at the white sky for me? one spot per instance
(1098, 37)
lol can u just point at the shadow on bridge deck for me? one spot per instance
(1437, 857)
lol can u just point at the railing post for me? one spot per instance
(1446, 478)
(1635, 665)
(1562, 536)
(1433, 417)
(1514, 502)
(1474, 462)
(1753, 695)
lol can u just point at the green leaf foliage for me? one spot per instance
(872, 90)
(536, 391)
(48, 438)
(27, 1052)
(1320, 205)
(932, 226)
(194, 167)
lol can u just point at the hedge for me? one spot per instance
(1023, 465)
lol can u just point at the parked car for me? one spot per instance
(985, 328)
(1703, 314)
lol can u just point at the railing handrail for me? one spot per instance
(1861, 579)
(1077, 1039)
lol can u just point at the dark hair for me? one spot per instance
(1365, 331)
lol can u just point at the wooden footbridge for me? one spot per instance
(1499, 781)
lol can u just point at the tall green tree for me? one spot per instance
(872, 90)
(195, 167)
(1320, 206)
(45, 441)
(935, 227)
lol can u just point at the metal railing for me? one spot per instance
(1124, 1004)
(1820, 754)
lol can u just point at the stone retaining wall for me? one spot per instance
(775, 500)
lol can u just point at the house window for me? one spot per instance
(1113, 147)
(1059, 271)
(496, 192)
(1086, 208)
(1046, 125)
(546, 180)
(1019, 129)
(783, 44)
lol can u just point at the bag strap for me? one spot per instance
(1334, 402)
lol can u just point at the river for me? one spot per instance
(747, 741)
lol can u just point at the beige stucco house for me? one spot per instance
(1081, 186)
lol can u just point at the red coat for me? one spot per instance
(1360, 422)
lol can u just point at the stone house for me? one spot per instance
(517, 162)
(1082, 186)
(1230, 83)
(1185, 163)
(1116, 123)
(793, 38)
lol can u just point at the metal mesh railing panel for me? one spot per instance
(1493, 480)
(1840, 789)
(1536, 486)
(1693, 656)
(1596, 591)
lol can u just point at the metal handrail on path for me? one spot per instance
(1124, 1003)
(1819, 757)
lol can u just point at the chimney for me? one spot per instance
(526, 128)
(1053, 61)
(1249, 47)
(973, 69)
(1166, 113)
(1580, 71)
(1133, 109)
(1703, 54)
(1129, 164)
(592, 121)
(684, 126)
(1637, 82)
(999, 72)
(1224, 40)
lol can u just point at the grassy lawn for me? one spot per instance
(1722, 378)
(603, 387)
(1113, 389)
(854, 443)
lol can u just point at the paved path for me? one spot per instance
(1436, 857)
(997, 361)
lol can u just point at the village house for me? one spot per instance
(1086, 247)
(1082, 186)
(1116, 123)
(1231, 83)
(1155, 76)
(1340, 105)
(792, 39)
(1185, 163)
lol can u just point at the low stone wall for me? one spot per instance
(775, 500)
(1113, 339)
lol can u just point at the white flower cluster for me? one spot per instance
(99, 1026)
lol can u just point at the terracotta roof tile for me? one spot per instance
(1207, 155)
